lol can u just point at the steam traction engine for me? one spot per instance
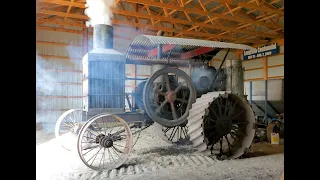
(186, 109)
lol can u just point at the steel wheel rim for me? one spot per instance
(112, 155)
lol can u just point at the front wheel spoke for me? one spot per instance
(91, 132)
(118, 150)
(90, 138)
(104, 150)
(91, 148)
(116, 153)
(98, 129)
(95, 156)
(110, 156)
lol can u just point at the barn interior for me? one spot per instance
(160, 89)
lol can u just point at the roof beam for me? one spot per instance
(69, 8)
(185, 22)
(62, 14)
(197, 34)
(261, 8)
(64, 3)
(195, 11)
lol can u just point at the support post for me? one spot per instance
(250, 89)
(265, 72)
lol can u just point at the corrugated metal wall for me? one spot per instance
(59, 78)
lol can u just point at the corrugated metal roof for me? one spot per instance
(143, 44)
(148, 40)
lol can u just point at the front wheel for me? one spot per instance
(105, 142)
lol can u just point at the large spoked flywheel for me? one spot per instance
(221, 123)
(104, 142)
(168, 95)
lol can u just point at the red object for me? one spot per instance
(165, 48)
(195, 52)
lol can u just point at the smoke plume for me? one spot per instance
(99, 12)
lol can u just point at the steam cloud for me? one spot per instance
(42, 87)
(42, 77)
(99, 12)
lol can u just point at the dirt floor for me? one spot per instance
(152, 158)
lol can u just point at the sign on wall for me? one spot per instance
(261, 51)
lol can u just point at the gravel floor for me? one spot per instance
(153, 158)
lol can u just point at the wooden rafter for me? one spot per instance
(62, 14)
(231, 23)
(196, 11)
(69, 8)
(198, 34)
(185, 22)
(64, 3)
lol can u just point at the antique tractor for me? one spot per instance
(186, 108)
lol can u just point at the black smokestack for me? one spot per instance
(102, 36)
